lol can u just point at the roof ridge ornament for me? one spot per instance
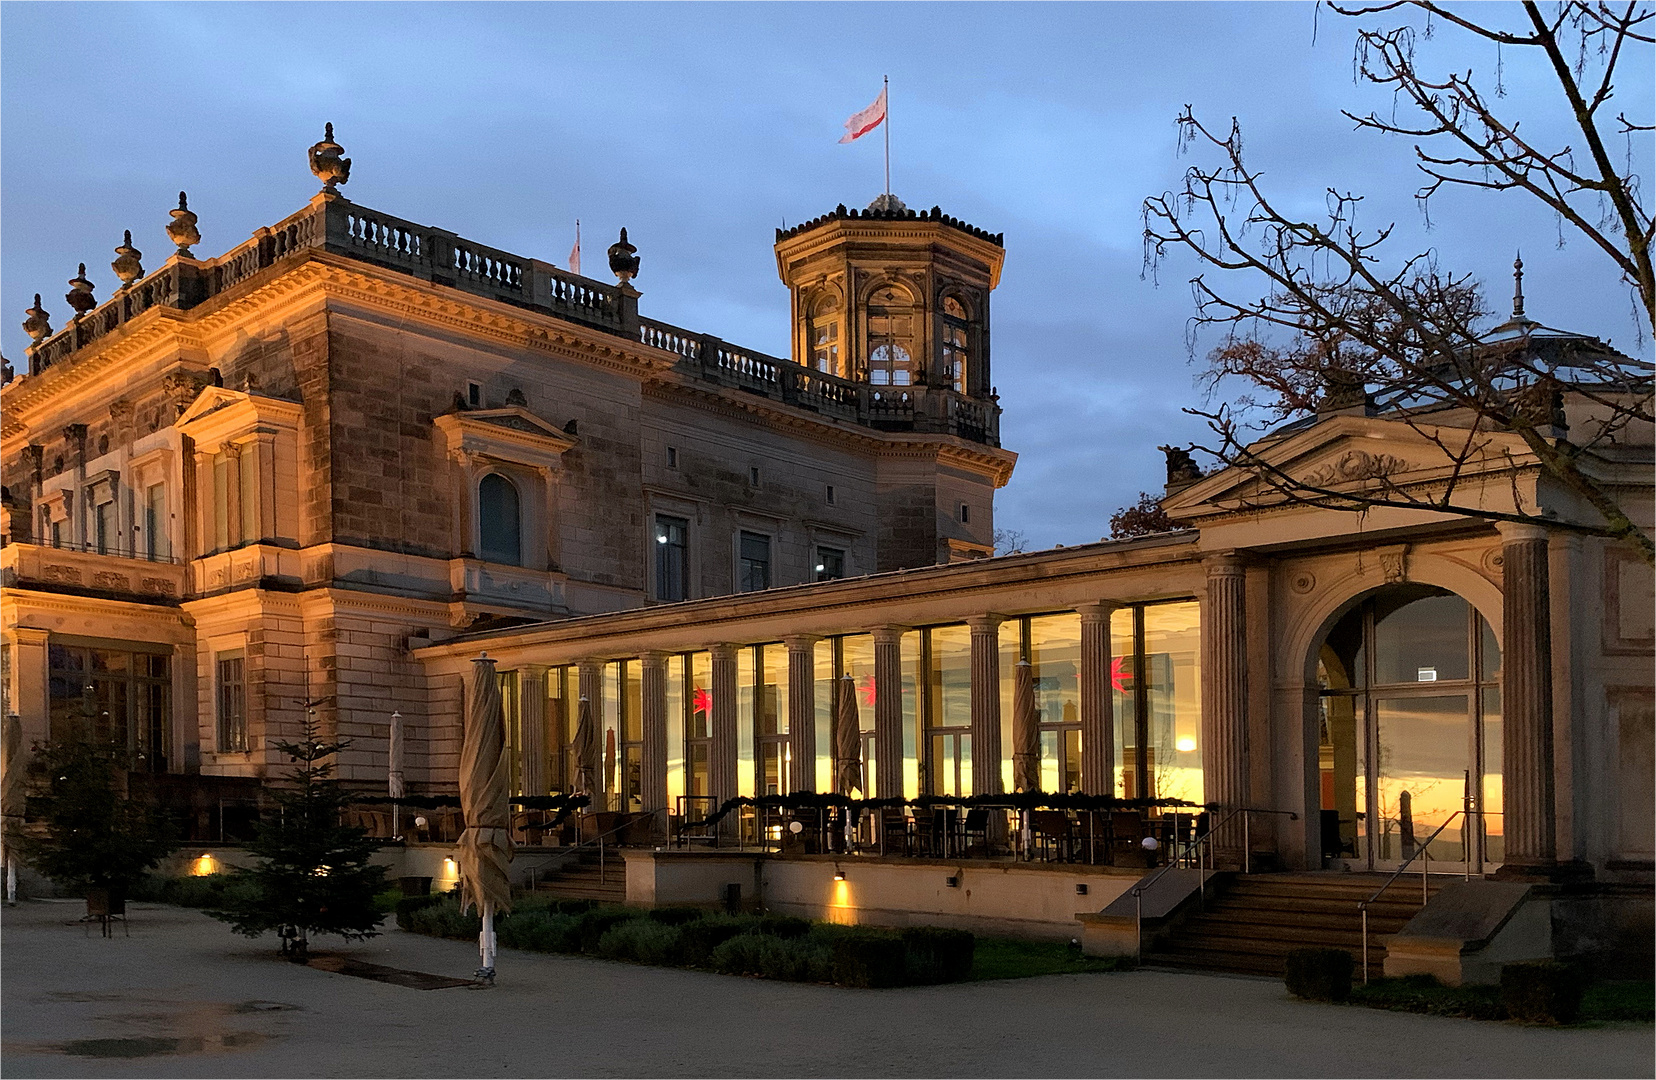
(327, 163)
(623, 259)
(127, 265)
(80, 293)
(38, 325)
(183, 231)
(1518, 289)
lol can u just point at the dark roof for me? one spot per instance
(840, 213)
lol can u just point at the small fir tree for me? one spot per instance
(314, 876)
(91, 831)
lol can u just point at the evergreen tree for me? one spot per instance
(315, 875)
(92, 833)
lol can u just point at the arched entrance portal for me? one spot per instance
(1410, 730)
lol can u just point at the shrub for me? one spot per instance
(570, 907)
(591, 926)
(1319, 974)
(677, 915)
(539, 931)
(408, 905)
(938, 955)
(443, 919)
(701, 937)
(782, 926)
(868, 958)
(1542, 991)
(644, 940)
(739, 955)
(798, 959)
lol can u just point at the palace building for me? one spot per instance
(328, 468)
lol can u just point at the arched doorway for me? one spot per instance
(1410, 730)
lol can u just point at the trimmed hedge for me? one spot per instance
(769, 946)
(1319, 974)
(1542, 991)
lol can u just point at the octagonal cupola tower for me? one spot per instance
(898, 300)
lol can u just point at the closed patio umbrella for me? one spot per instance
(1026, 731)
(394, 772)
(586, 745)
(847, 739)
(486, 846)
(1026, 742)
(11, 793)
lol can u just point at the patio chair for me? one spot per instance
(976, 823)
(1053, 833)
(895, 832)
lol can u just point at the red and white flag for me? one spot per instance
(870, 118)
(575, 252)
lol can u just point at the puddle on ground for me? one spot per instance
(156, 1046)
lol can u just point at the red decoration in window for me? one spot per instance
(865, 691)
(701, 701)
(1119, 678)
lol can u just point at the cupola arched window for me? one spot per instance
(824, 336)
(891, 325)
(956, 347)
(499, 521)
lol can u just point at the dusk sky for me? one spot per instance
(701, 128)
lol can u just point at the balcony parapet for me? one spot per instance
(70, 569)
(334, 224)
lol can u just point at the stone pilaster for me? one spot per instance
(653, 699)
(986, 702)
(1225, 695)
(532, 729)
(1527, 703)
(888, 712)
(801, 712)
(722, 759)
(1097, 700)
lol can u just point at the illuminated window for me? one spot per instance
(830, 564)
(956, 352)
(824, 337)
(155, 522)
(891, 324)
(499, 527)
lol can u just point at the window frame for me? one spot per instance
(741, 561)
(483, 552)
(230, 734)
(663, 547)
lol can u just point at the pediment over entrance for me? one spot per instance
(1358, 456)
(511, 434)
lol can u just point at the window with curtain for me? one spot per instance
(499, 522)
(956, 351)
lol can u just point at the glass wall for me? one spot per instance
(512, 712)
(1173, 698)
(1052, 646)
(770, 718)
(622, 765)
(914, 676)
(562, 713)
(857, 661)
(825, 670)
(948, 710)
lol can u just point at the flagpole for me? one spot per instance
(886, 91)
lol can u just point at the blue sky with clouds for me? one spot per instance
(702, 127)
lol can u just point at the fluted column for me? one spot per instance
(801, 712)
(653, 706)
(532, 729)
(592, 690)
(986, 701)
(721, 767)
(1097, 700)
(888, 711)
(1225, 695)
(1527, 702)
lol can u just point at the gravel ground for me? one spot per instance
(183, 997)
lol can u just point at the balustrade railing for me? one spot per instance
(341, 226)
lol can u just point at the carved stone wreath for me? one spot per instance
(1354, 466)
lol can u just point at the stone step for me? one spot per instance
(1290, 921)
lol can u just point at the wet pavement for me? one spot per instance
(182, 996)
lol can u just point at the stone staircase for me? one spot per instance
(1255, 920)
(583, 877)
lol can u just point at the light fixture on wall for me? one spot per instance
(839, 875)
(1081, 889)
(951, 882)
(1185, 744)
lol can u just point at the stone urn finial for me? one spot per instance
(80, 293)
(328, 165)
(38, 325)
(127, 266)
(183, 231)
(623, 259)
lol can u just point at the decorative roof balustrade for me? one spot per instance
(337, 225)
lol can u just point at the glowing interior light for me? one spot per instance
(661, 538)
(204, 866)
(1185, 744)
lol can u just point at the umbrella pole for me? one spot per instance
(486, 945)
(11, 879)
(396, 821)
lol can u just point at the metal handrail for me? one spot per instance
(1195, 839)
(601, 837)
(1422, 852)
